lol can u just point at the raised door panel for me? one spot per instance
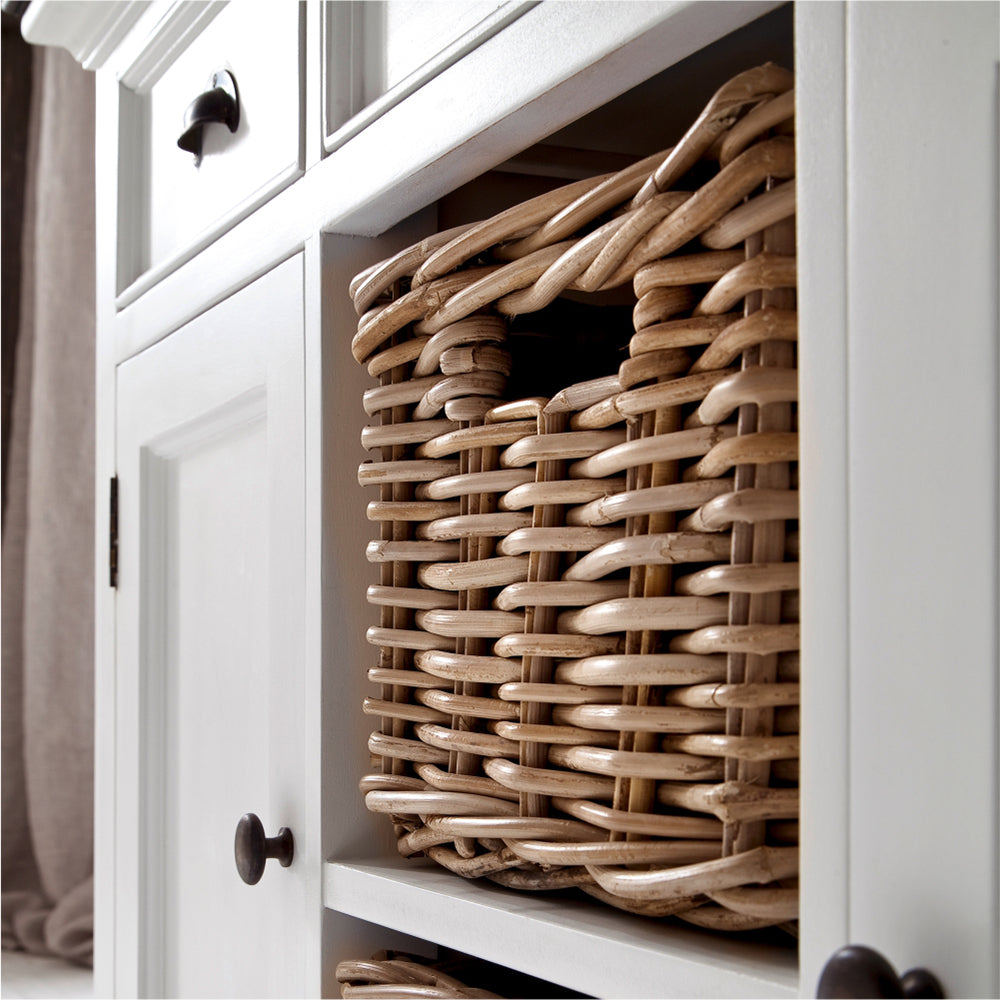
(212, 679)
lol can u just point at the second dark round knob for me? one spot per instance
(253, 848)
(858, 971)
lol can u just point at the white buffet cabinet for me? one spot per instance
(231, 655)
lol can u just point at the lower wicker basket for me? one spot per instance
(588, 599)
(453, 976)
(401, 977)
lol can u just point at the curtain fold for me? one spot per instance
(48, 538)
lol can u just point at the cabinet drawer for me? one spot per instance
(172, 202)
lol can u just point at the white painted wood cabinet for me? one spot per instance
(897, 203)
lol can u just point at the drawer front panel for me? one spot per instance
(172, 202)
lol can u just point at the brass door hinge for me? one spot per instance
(113, 534)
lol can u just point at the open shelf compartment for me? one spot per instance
(571, 941)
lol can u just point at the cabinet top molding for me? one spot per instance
(90, 30)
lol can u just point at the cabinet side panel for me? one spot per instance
(349, 830)
(113, 973)
(336, 383)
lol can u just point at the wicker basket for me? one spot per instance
(402, 977)
(393, 974)
(588, 598)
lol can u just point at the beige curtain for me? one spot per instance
(48, 548)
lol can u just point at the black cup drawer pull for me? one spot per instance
(253, 848)
(219, 104)
(857, 971)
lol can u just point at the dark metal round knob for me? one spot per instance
(220, 103)
(857, 971)
(253, 848)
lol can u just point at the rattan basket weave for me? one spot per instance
(588, 601)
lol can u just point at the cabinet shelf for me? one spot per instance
(585, 947)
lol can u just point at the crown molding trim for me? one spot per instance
(90, 30)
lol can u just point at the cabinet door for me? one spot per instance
(212, 711)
